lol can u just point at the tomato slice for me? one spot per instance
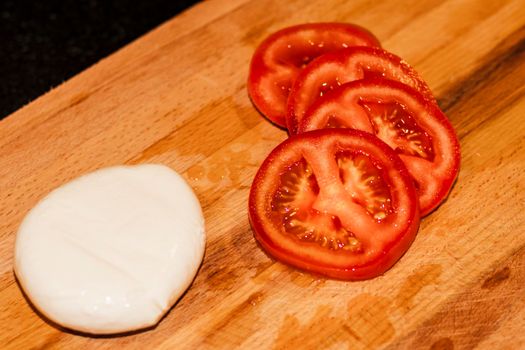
(415, 128)
(337, 202)
(333, 69)
(279, 58)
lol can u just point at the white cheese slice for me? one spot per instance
(113, 250)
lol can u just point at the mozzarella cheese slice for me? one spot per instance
(113, 250)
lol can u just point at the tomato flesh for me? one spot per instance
(337, 202)
(400, 116)
(293, 201)
(396, 126)
(333, 69)
(280, 57)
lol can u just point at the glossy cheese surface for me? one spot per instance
(113, 250)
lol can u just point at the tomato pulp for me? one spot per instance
(337, 202)
(282, 55)
(333, 69)
(399, 115)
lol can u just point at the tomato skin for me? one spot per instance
(333, 69)
(401, 228)
(438, 176)
(273, 68)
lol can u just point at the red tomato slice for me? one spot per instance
(280, 57)
(332, 69)
(337, 202)
(400, 116)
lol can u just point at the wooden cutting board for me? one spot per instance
(177, 96)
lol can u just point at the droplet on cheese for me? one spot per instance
(113, 250)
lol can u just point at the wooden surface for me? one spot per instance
(177, 96)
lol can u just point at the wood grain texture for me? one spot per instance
(177, 96)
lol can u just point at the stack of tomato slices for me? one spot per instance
(369, 153)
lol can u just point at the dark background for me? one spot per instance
(43, 43)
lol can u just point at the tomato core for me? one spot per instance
(293, 201)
